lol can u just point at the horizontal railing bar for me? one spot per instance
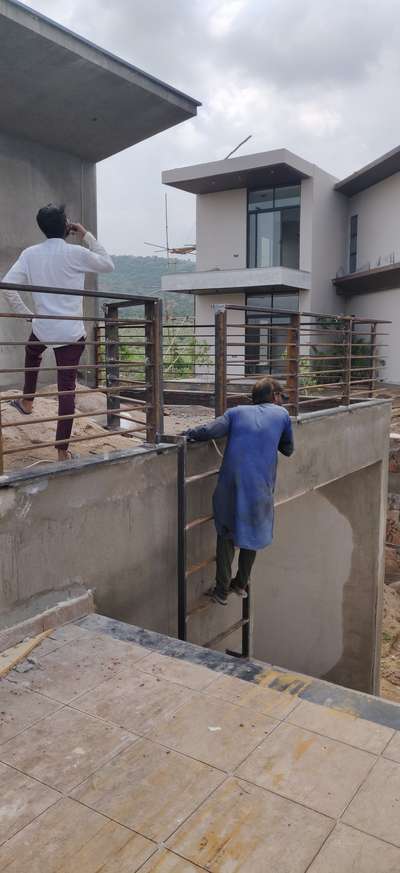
(198, 521)
(104, 366)
(28, 421)
(72, 292)
(55, 344)
(230, 630)
(102, 436)
(96, 318)
(190, 479)
(4, 398)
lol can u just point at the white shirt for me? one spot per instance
(56, 264)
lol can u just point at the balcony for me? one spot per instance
(210, 281)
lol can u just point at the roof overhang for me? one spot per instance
(376, 171)
(277, 167)
(364, 282)
(64, 92)
(237, 281)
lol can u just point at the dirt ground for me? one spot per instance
(390, 663)
(23, 434)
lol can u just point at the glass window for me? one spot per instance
(353, 243)
(261, 199)
(274, 227)
(287, 196)
(266, 334)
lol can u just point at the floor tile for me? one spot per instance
(167, 862)
(79, 666)
(214, 731)
(149, 789)
(243, 829)
(134, 700)
(71, 839)
(64, 748)
(342, 726)
(265, 700)
(19, 708)
(376, 807)
(179, 671)
(321, 773)
(21, 800)
(349, 851)
(60, 636)
(393, 749)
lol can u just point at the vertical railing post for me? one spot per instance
(154, 370)
(182, 540)
(96, 355)
(373, 359)
(347, 362)
(220, 388)
(293, 354)
(111, 345)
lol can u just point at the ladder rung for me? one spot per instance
(200, 476)
(226, 633)
(201, 605)
(198, 521)
(195, 567)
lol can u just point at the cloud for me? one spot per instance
(318, 76)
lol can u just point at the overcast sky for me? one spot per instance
(320, 77)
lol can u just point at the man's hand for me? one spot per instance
(77, 229)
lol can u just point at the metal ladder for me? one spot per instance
(185, 572)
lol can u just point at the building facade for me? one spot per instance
(278, 232)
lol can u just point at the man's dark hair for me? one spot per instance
(52, 221)
(265, 389)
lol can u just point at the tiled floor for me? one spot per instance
(117, 759)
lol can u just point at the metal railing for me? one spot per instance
(322, 360)
(108, 366)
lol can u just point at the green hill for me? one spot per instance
(142, 276)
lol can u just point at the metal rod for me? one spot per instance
(196, 567)
(71, 292)
(182, 542)
(224, 634)
(220, 362)
(198, 521)
(201, 476)
(30, 448)
(27, 423)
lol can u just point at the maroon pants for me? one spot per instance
(66, 356)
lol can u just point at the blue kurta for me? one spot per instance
(244, 497)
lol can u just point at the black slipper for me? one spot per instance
(18, 405)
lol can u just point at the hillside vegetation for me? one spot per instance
(142, 276)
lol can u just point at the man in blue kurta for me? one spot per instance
(243, 501)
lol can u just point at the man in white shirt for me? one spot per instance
(56, 264)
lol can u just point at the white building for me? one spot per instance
(276, 231)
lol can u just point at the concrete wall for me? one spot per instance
(221, 222)
(329, 235)
(384, 305)
(378, 213)
(205, 314)
(104, 526)
(32, 175)
(111, 526)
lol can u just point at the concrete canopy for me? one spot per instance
(376, 171)
(66, 93)
(277, 167)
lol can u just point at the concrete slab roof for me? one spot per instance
(376, 171)
(277, 167)
(67, 93)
